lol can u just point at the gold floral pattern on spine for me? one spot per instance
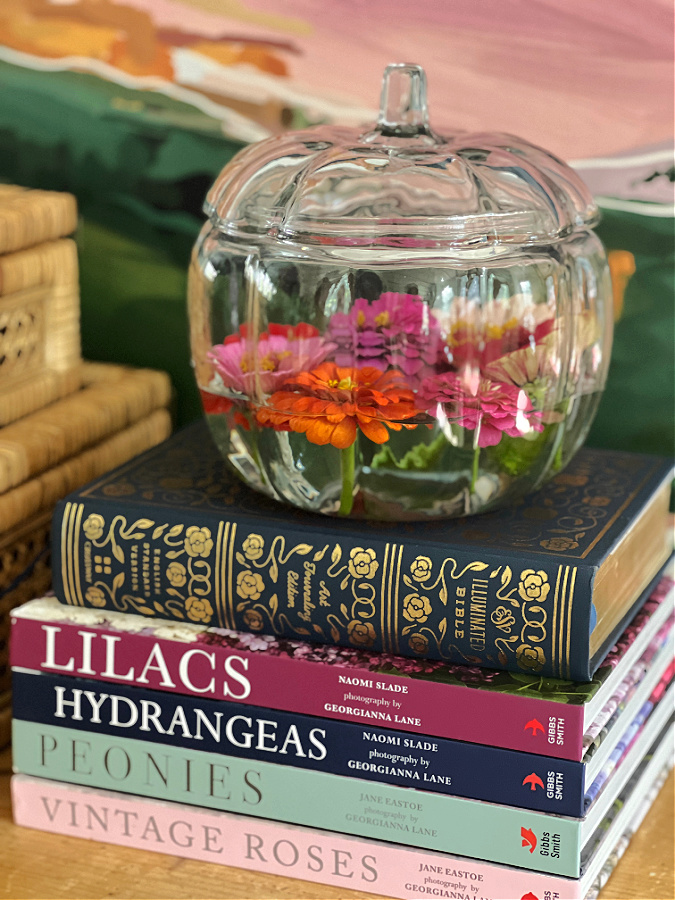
(198, 541)
(250, 585)
(420, 568)
(128, 543)
(361, 634)
(199, 609)
(253, 619)
(361, 596)
(533, 585)
(362, 563)
(176, 574)
(95, 596)
(416, 608)
(531, 659)
(253, 547)
(93, 526)
(418, 643)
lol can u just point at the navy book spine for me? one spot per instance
(171, 535)
(504, 777)
(357, 589)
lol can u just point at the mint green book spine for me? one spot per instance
(407, 816)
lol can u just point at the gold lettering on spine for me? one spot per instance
(64, 554)
(383, 602)
(569, 618)
(230, 573)
(554, 623)
(218, 574)
(395, 644)
(75, 553)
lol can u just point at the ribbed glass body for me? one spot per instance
(394, 324)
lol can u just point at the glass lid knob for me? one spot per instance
(403, 102)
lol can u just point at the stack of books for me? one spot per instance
(475, 708)
(62, 421)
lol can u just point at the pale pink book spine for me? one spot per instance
(335, 691)
(271, 847)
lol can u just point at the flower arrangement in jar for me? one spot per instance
(395, 324)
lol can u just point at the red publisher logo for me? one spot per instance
(534, 781)
(535, 726)
(529, 839)
(529, 896)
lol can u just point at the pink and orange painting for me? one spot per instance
(584, 78)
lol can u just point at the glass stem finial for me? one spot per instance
(403, 104)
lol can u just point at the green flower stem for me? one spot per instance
(474, 470)
(560, 436)
(253, 450)
(347, 458)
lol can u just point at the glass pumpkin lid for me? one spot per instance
(399, 184)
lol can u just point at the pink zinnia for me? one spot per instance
(491, 408)
(254, 367)
(396, 330)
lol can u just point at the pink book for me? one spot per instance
(516, 711)
(327, 857)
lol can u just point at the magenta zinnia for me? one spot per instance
(397, 330)
(254, 366)
(490, 408)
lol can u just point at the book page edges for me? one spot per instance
(628, 570)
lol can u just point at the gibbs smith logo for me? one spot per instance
(534, 781)
(534, 725)
(528, 839)
(529, 896)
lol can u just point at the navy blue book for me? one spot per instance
(545, 586)
(480, 772)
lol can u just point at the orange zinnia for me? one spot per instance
(330, 402)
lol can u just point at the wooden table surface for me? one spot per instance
(35, 864)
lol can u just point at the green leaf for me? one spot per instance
(420, 458)
(517, 455)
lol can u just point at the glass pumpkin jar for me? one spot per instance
(396, 324)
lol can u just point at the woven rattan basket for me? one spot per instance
(119, 413)
(39, 300)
